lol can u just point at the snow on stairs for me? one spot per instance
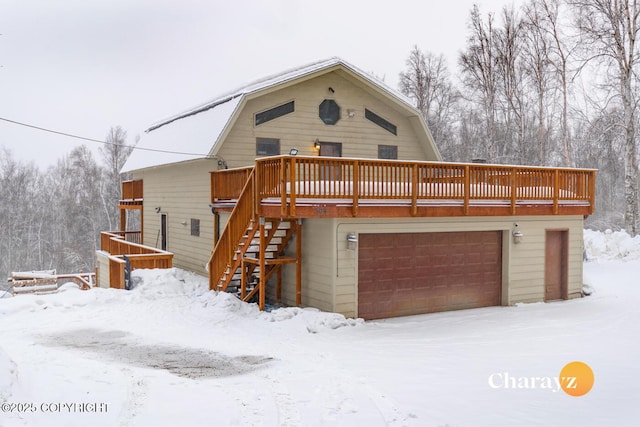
(278, 234)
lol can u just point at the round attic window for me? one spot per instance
(329, 112)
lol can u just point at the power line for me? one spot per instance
(99, 141)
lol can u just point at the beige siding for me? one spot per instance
(523, 263)
(182, 191)
(102, 259)
(319, 260)
(359, 136)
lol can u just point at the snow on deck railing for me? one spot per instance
(116, 245)
(289, 178)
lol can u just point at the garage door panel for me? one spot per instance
(413, 273)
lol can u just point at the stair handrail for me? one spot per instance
(239, 220)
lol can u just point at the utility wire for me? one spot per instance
(99, 141)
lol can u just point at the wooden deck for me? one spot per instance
(311, 187)
(288, 188)
(118, 244)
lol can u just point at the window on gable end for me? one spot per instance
(384, 124)
(274, 113)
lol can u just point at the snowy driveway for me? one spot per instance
(171, 353)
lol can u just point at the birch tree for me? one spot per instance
(477, 63)
(114, 154)
(536, 51)
(426, 80)
(608, 30)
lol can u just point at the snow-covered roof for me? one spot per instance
(197, 130)
(195, 135)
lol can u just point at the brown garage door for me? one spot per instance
(412, 273)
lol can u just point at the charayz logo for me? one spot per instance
(575, 379)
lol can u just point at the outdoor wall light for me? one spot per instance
(517, 234)
(293, 151)
(352, 241)
(316, 145)
(158, 209)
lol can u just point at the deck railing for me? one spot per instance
(241, 216)
(132, 190)
(117, 245)
(290, 178)
(129, 236)
(228, 183)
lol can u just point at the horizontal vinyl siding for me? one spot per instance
(523, 264)
(318, 266)
(102, 259)
(527, 272)
(182, 191)
(359, 136)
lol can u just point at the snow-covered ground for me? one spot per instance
(172, 353)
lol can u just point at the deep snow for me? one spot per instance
(170, 352)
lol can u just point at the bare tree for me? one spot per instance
(608, 29)
(114, 154)
(426, 80)
(536, 50)
(512, 81)
(479, 75)
(559, 55)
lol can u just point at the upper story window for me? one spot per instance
(384, 124)
(388, 152)
(267, 147)
(329, 112)
(274, 113)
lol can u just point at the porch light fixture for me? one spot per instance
(316, 145)
(517, 234)
(293, 151)
(352, 241)
(158, 209)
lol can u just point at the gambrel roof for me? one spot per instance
(199, 131)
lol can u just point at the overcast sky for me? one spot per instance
(81, 66)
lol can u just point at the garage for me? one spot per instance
(401, 274)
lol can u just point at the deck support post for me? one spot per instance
(298, 262)
(414, 190)
(467, 189)
(263, 264)
(356, 187)
(123, 219)
(292, 187)
(556, 191)
(513, 191)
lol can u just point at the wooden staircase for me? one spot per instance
(251, 249)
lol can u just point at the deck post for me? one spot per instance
(592, 191)
(243, 280)
(283, 188)
(123, 219)
(356, 187)
(292, 187)
(279, 284)
(263, 263)
(414, 190)
(513, 191)
(299, 262)
(556, 190)
(467, 189)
